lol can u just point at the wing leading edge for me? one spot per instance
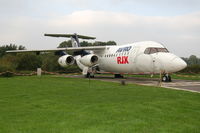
(59, 49)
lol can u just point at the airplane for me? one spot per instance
(147, 57)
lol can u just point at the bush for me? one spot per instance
(49, 62)
(8, 63)
(28, 61)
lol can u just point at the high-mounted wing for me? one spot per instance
(59, 49)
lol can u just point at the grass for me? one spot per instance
(186, 76)
(65, 105)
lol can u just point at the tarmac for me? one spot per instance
(178, 84)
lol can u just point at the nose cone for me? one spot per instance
(178, 64)
(170, 62)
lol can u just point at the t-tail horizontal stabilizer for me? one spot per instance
(74, 38)
(70, 35)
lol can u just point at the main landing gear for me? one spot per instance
(166, 78)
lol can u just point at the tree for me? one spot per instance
(98, 43)
(86, 43)
(5, 48)
(65, 44)
(111, 43)
(21, 47)
(193, 60)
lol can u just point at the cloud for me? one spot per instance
(180, 34)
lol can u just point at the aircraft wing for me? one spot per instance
(95, 48)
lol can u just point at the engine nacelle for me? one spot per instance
(89, 60)
(66, 60)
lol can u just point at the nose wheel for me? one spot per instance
(166, 78)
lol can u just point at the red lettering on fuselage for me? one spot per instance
(118, 60)
(122, 60)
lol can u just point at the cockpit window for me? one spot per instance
(155, 50)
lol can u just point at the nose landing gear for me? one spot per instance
(166, 78)
(89, 75)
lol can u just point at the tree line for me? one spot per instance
(48, 61)
(193, 63)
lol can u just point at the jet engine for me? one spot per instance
(66, 60)
(89, 60)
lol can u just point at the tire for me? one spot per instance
(165, 79)
(88, 75)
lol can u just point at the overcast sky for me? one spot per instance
(176, 24)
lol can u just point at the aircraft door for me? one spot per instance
(133, 57)
(157, 64)
(134, 54)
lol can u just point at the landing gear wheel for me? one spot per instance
(88, 75)
(166, 78)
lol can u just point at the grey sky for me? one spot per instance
(176, 24)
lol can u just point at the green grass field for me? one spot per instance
(64, 105)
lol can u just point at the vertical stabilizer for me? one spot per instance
(75, 41)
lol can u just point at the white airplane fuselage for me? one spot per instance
(140, 57)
